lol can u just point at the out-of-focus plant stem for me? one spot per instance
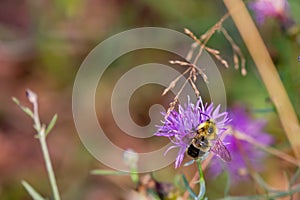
(267, 70)
(32, 97)
(42, 138)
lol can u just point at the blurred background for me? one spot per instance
(42, 45)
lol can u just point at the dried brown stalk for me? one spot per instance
(193, 73)
(193, 69)
(203, 46)
(267, 149)
(267, 70)
(206, 37)
(237, 53)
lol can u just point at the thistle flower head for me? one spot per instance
(178, 125)
(243, 152)
(278, 9)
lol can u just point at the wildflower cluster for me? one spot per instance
(263, 9)
(178, 126)
(244, 153)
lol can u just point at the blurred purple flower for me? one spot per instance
(240, 149)
(278, 9)
(178, 126)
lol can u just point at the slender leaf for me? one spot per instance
(14, 99)
(51, 124)
(275, 195)
(31, 191)
(25, 109)
(295, 189)
(264, 185)
(295, 176)
(227, 187)
(254, 197)
(134, 176)
(108, 172)
(177, 181)
(264, 110)
(202, 189)
(154, 195)
(186, 184)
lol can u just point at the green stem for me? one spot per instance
(202, 189)
(32, 97)
(47, 159)
(36, 118)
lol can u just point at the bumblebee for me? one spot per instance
(205, 139)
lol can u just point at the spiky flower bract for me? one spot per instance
(243, 152)
(178, 125)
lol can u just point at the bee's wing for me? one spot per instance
(189, 136)
(220, 149)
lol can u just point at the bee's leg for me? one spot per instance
(189, 163)
(201, 113)
(204, 156)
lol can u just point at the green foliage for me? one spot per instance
(41, 135)
(295, 176)
(69, 8)
(133, 173)
(107, 172)
(51, 124)
(26, 110)
(202, 190)
(187, 186)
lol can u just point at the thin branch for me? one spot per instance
(206, 36)
(265, 148)
(202, 44)
(173, 83)
(236, 53)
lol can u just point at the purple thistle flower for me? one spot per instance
(278, 9)
(242, 151)
(179, 125)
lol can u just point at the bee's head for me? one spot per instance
(211, 131)
(208, 129)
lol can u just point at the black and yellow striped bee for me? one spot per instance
(204, 140)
